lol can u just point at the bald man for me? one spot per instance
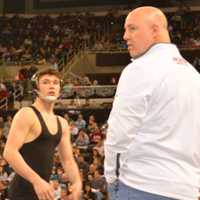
(152, 149)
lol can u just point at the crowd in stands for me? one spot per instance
(54, 39)
(10, 91)
(87, 136)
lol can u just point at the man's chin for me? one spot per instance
(132, 54)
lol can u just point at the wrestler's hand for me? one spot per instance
(43, 190)
(75, 191)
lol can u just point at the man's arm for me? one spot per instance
(123, 123)
(21, 126)
(68, 162)
(129, 108)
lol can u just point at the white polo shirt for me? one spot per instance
(155, 125)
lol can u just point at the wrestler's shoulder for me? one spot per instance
(24, 112)
(62, 120)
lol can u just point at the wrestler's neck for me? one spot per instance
(43, 106)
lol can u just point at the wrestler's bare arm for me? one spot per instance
(68, 162)
(21, 125)
(20, 128)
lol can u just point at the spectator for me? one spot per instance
(82, 140)
(80, 122)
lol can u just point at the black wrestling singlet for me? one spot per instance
(38, 154)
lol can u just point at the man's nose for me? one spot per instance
(125, 36)
(51, 85)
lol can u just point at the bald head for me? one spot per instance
(150, 15)
(145, 26)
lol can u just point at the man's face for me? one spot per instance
(49, 85)
(138, 35)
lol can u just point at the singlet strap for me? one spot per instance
(41, 120)
(59, 125)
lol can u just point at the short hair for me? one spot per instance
(46, 71)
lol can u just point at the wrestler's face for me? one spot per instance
(138, 34)
(49, 85)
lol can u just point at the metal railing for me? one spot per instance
(97, 91)
(18, 93)
(4, 103)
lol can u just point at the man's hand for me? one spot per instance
(75, 191)
(43, 190)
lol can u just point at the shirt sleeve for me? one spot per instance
(129, 109)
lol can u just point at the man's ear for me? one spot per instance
(155, 28)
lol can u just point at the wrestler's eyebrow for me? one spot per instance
(48, 80)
